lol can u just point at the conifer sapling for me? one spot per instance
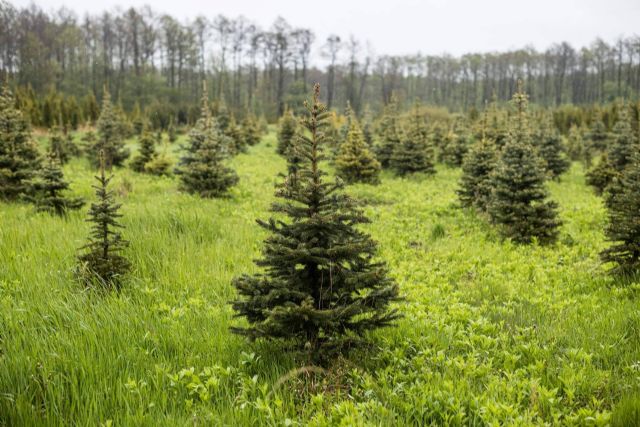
(355, 162)
(321, 287)
(102, 262)
(50, 187)
(519, 202)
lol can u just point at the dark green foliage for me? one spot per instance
(201, 167)
(147, 151)
(355, 162)
(623, 229)
(390, 134)
(102, 263)
(50, 187)
(518, 203)
(414, 153)
(110, 139)
(477, 168)
(286, 132)
(321, 287)
(601, 175)
(550, 150)
(251, 130)
(19, 158)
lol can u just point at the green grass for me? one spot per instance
(493, 333)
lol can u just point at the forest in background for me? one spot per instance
(154, 63)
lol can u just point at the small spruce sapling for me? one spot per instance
(355, 162)
(50, 188)
(102, 263)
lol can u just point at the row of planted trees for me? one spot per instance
(320, 285)
(505, 164)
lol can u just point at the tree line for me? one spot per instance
(155, 62)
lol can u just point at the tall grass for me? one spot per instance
(492, 333)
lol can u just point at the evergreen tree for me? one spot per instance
(600, 176)
(201, 168)
(367, 126)
(456, 145)
(497, 129)
(623, 229)
(390, 134)
(147, 150)
(575, 144)
(251, 131)
(414, 153)
(477, 168)
(110, 136)
(321, 287)
(550, 149)
(58, 145)
(160, 165)
(234, 133)
(622, 143)
(49, 189)
(171, 131)
(355, 162)
(598, 135)
(518, 203)
(102, 262)
(19, 158)
(286, 132)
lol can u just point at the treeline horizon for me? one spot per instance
(153, 62)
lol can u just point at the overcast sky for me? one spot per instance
(410, 26)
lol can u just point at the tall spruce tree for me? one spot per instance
(110, 139)
(321, 287)
(201, 169)
(355, 162)
(50, 188)
(519, 202)
(286, 132)
(414, 153)
(477, 168)
(623, 229)
(549, 144)
(147, 150)
(102, 263)
(19, 157)
(390, 133)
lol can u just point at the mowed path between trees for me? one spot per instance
(492, 332)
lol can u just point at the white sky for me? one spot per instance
(411, 26)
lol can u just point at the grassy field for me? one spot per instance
(493, 333)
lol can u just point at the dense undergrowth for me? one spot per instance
(493, 333)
